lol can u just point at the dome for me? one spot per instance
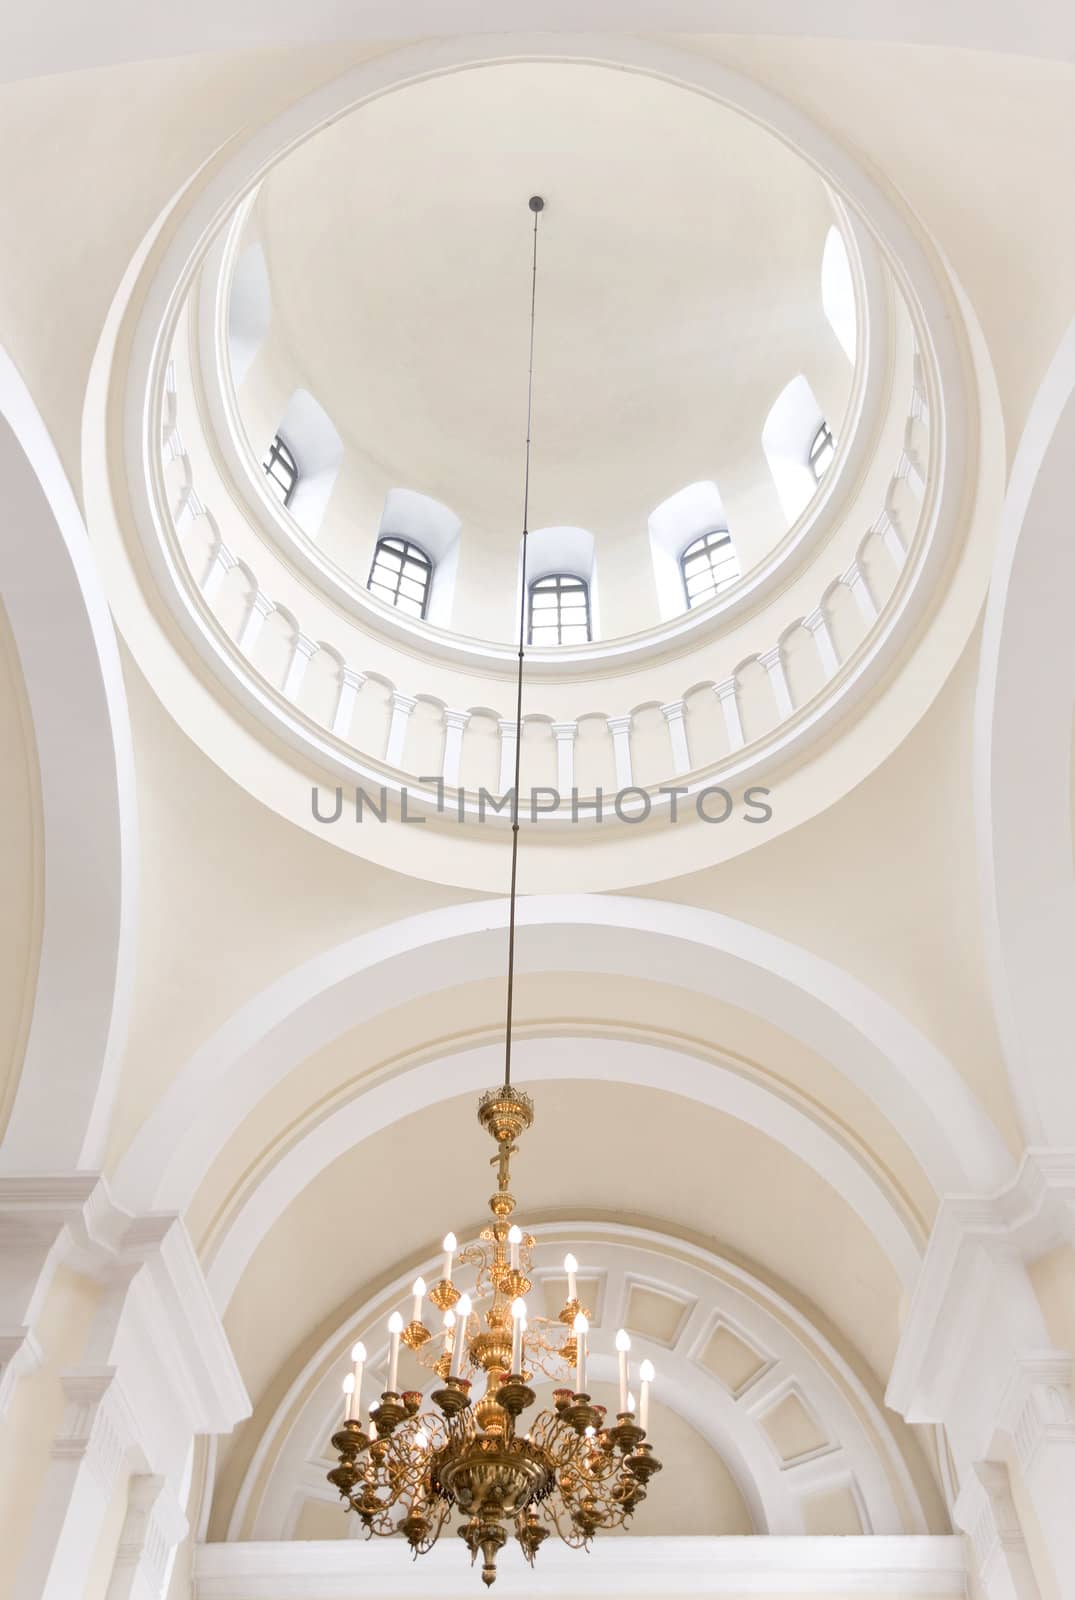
(680, 290)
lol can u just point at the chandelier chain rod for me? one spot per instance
(512, 892)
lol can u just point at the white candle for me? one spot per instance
(418, 1292)
(582, 1328)
(450, 1246)
(515, 1239)
(460, 1344)
(449, 1336)
(571, 1266)
(395, 1328)
(518, 1323)
(623, 1344)
(358, 1356)
(630, 1402)
(373, 1421)
(646, 1373)
(349, 1398)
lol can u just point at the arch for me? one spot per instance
(838, 292)
(318, 450)
(907, 1077)
(249, 310)
(434, 528)
(678, 522)
(792, 1354)
(1023, 739)
(70, 663)
(794, 422)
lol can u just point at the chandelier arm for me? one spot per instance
(536, 205)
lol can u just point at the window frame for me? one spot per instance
(823, 440)
(712, 539)
(397, 544)
(565, 583)
(280, 452)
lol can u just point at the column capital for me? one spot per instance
(351, 678)
(455, 719)
(565, 730)
(674, 710)
(619, 725)
(403, 703)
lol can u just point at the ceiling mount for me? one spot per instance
(536, 203)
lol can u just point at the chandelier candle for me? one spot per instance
(645, 1372)
(395, 1328)
(623, 1345)
(566, 1472)
(350, 1403)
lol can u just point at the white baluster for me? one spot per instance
(260, 608)
(674, 714)
(350, 683)
(728, 695)
(454, 725)
(620, 729)
(885, 527)
(817, 626)
(773, 662)
(219, 567)
(402, 706)
(565, 734)
(302, 653)
(855, 580)
(507, 754)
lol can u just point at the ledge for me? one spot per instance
(823, 1565)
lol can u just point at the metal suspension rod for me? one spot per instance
(537, 205)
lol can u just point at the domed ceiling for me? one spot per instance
(679, 291)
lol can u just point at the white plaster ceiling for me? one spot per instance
(679, 290)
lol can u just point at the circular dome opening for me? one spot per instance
(378, 323)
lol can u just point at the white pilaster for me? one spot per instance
(907, 469)
(773, 662)
(302, 653)
(260, 608)
(855, 580)
(728, 695)
(455, 723)
(816, 624)
(565, 734)
(153, 1527)
(675, 715)
(350, 683)
(189, 508)
(507, 754)
(986, 1511)
(620, 729)
(155, 1369)
(402, 706)
(975, 1353)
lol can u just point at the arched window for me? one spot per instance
(708, 564)
(821, 452)
(559, 610)
(282, 470)
(401, 574)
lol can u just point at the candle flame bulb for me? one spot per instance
(623, 1340)
(465, 1306)
(395, 1323)
(580, 1324)
(421, 1440)
(358, 1351)
(646, 1372)
(450, 1245)
(418, 1291)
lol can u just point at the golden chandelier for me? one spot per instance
(408, 1472)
